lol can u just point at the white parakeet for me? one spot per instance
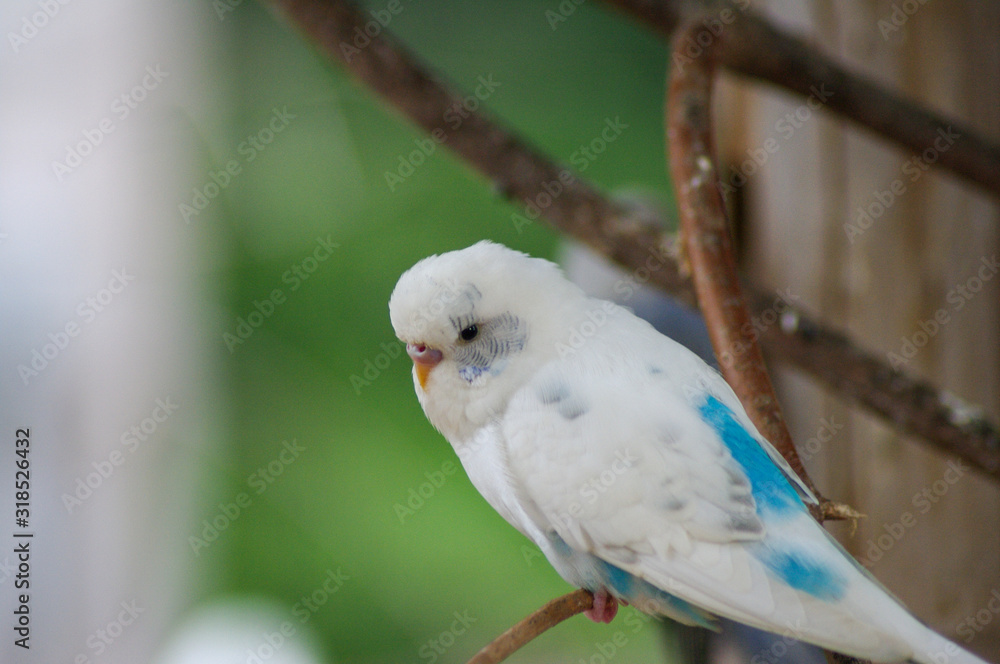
(629, 461)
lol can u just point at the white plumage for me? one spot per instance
(629, 461)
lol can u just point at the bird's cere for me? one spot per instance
(424, 359)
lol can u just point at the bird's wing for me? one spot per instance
(624, 462)
(662, 476)
(605, 448)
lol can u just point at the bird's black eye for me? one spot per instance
(469, 333)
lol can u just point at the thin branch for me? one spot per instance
(544, 618)
(523, 175)
(750, 45)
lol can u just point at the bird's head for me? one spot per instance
(476, 323)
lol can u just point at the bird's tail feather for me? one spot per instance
(932, 648)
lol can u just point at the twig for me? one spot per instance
(544, 618)
(750, 45)
(522, 174)
(705, 234)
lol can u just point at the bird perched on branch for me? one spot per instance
(629, 461)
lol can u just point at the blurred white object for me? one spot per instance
(241, 631)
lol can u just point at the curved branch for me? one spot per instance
(525, 176)
(750, 45)
(708, 247)
(544, 618)
(705, 232)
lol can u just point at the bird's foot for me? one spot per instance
(605, 607)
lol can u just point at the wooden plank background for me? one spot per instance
(938, 551)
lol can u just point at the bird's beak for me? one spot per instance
(424, 359)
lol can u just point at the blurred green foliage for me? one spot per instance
(367, 446)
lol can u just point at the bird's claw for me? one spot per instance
(605, 607)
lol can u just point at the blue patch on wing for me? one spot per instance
(772, 491)
(775, 496)
(803, 573)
